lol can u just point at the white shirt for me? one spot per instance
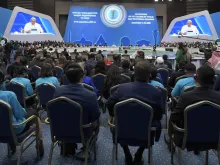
(36, 28)
(192, 28)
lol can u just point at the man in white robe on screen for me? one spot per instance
(33, 27)
(189, 28)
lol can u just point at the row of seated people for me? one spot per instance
(140, 89)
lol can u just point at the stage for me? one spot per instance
(197, 57)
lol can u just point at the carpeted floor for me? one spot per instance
(161, 156)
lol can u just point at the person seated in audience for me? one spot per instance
(76, 92)
(159, 63)
(125, 52)
(100, 68)
(166, 62)
(144, 92)
(154, 80)
(91, 60)
(203, 91)
(87, 78)
(12, 67)
(185, 82)
(20, 115)
(113, 78)
(99, 57)
(117, 60)
(20, 77)
(46, 76)
(126, 68)
(177, 74)
(62, 61)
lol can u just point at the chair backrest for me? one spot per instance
(18, 89)
(188, 88)
(35, 71)
(45, 93)
(88, 87)
(113, 89)
(202, 124)
(65, 80)
(59, 72)
(7, 133)
(126, 79)
(164, 74)
(98, 81)
(66, 119)
(133, 120)
(165, 97)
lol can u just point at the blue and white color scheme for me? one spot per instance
(202, 29)
(111, 24)
(113, 15)
(21, 17)
(6, 14)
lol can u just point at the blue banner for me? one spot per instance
(5, 17)
(112, 25)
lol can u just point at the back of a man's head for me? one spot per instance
(125, 64)
(141, 54)
(182, 64)
(165, 57)
(117, 58)
(74, 73)
(142, 71)
(91, 56)
(190, 68)
(205, 75)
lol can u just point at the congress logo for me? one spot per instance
(113, 15)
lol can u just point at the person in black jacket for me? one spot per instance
(203, 91)
(142, 91)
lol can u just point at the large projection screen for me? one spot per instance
(26, 25)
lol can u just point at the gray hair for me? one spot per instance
(33, 18)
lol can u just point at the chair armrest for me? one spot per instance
(175, 99)
(177, 128)
(25, 122)
(99, 98)
(29, 97)
(110, 122)
(87, 125)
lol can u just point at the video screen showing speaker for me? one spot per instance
(27, 24)
(195, 26)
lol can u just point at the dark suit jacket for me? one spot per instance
(84, 97)
(142, 91)
(174, 76)
(127, 72)
(191, 97)
(187, 98)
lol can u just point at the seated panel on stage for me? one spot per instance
(191, 28)
(27, 25)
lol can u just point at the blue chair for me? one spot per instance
(66, 125)
(8, 135)
(88, 87)
(98, 81)
(201, 129)
(134, 128)
(19, 90)
(125, 78)
(164, 74)
(65, 80)
(59, 72)
(166, 101)
(113, 89)
(35, 71)
(45, 93)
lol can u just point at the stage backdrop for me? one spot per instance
(112, 24)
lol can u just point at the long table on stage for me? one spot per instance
(197, 58)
